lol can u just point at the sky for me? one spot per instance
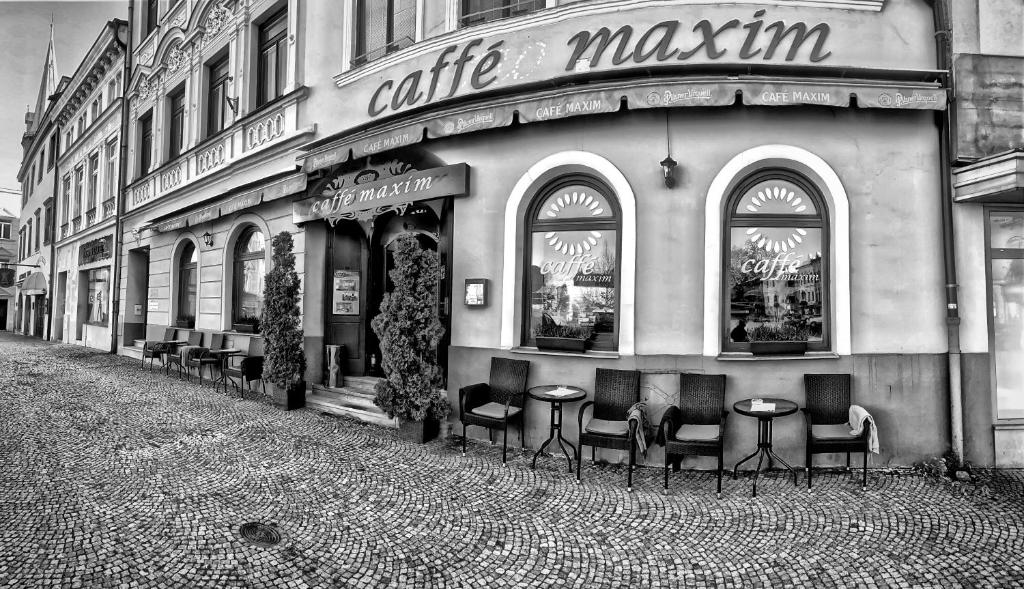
(24, 35)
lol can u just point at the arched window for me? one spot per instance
(187, 286)
(249, 270)
(776, 269)
(571, 273)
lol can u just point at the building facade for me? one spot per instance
(10, 216)
(37, 177)
(89, 116)
(987, 151)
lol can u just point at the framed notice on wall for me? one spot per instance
(346, 292)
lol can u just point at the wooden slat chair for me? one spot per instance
(178, 355)
(201, 357)
(497, 402)
(615, 391)
(156, 349)
(826, 418)
(696, 426)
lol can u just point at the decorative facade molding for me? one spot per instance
(265, 130)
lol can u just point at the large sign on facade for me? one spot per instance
(95, 250)
(645, 38)
(397, 190)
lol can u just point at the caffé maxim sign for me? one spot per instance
(479, 64)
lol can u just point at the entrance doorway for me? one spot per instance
(39, 315)
(357, 279)
(58, 306)
(3, 315)
(136, 296)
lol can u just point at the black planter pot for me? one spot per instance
(793, 348)
(290, 398)
(419, 432)
(563, 344)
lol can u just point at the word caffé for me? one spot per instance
(781, 267)
(665, 42)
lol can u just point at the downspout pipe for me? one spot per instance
(122, 171)
(945, 121)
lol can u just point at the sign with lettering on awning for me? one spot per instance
(916, 98)
(450, 180)
(706, 93)
(171, 225)
(795, 94)
(203, 216)
(569, 105)
(391, 140)
(470, 121)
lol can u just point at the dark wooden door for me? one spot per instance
(40, 315)
(345, 299)
(3, 315)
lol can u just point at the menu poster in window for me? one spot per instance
(346, 292)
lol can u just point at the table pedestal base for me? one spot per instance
(764, 448)
(556, 434)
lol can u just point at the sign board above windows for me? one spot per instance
(587, 41)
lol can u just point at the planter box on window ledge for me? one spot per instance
(561, 344)
(781, 348)
(185, 323)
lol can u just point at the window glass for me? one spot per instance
(111, 173)
(273, 57)
(383, 26)
(250, 270)
(1006, 238)
(1006, 230)
(480, 11)
(99, 290)
(76, 205)
(94, 176)
(777, 266)
(572, 271)
(5, 230)
(187, 284)
(177, 124)
(145, 143)
(217, 98)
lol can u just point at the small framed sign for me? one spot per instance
(476, 292)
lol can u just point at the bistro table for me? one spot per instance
(223, 354)
(172, 348)
(556, 395)
(764, 433)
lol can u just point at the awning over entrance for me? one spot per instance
(240, 200)
(34, 284)
(612, 97)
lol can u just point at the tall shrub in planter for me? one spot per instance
(284, 362)
(410, 331)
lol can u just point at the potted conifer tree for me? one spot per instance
(410, 331)
(284, 362)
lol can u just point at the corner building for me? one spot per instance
(525, 141)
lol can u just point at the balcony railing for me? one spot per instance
(90, 216)
(76, 224)
(108, 208)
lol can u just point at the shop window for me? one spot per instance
(96, 306)
(249, 271)
(177, 127)
(145, 143)
(571, 274)
(188, 275)
(273, 58)
(1006, 259)
(216, 100)
(383, 27)
(474, 12)
(776, 269)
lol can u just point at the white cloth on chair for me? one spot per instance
(858, 417)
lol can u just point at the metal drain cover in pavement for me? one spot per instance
(260, 534)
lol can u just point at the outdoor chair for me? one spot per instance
(497, 402)
(157, 349)
(200, 357)
(826, 418)
(615, 391)
(178, 355)
(696, 426)
(248, 369)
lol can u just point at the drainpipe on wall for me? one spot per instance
(115, 312)
(944, 119)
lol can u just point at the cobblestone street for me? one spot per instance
(113, 476)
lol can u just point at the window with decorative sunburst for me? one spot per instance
(571, 263)
(777, 267)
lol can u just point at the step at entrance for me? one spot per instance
(354, 398)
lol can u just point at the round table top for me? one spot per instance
(226, 351)
(782, 408)
(543, 393)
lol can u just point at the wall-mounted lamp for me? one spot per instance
(668, 166)
(207, 238)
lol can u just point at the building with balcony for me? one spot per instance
(216, 112)
(621, 167)
(37, 177)
(89, 117)
(987, 153)
(10, 216)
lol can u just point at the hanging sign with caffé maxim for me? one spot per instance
(346, 202)
(585, 40)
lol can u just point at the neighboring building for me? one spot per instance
(215, 102)
(36, 175)
(988, 219)
(10, 207)
(89, 114)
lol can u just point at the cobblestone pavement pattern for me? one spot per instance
(111, 476)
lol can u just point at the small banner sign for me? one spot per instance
(171, 225)
(605, 280)
(6, 277)
(203, 216)
(95, 250)
(415, 186)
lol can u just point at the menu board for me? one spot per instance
(346, 292)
